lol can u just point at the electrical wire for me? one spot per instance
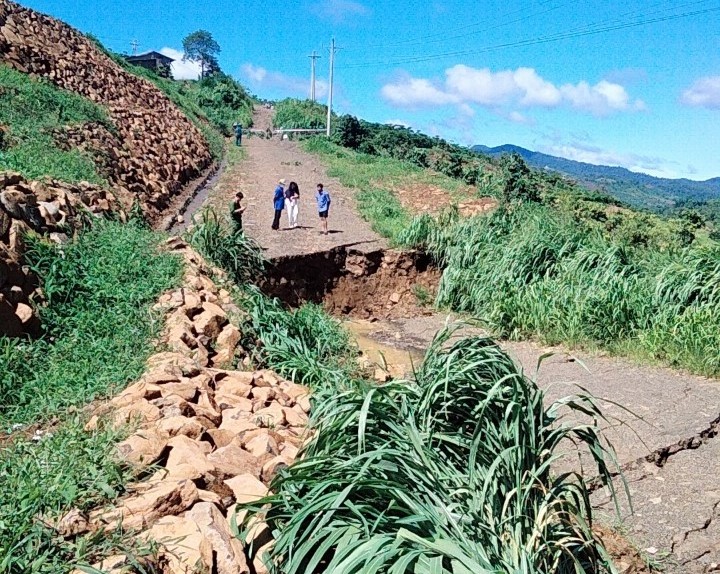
(586, 30)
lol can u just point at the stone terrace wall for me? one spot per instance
(50, 207)
(157, 148)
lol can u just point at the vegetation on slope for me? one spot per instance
(213, 104)
(556, 262)
(449, 473)
(636, 189)
(99, 329)
(531, 271)
(30, 111)
(291, 113)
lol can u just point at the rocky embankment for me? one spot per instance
(50, 207)
(208, 436)
(155, 150)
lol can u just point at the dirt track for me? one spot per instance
(266, 162)
(675, 499)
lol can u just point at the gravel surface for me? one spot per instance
(256, 176)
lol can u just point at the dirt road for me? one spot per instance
(267, 161)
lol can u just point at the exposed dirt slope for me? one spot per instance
(156, 148)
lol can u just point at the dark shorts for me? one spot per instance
(323, 214)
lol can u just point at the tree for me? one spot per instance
(201, 47)
(518, 184)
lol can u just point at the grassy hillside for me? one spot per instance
(99, 329)
(292, 113)
(30, 112)
(555, 262)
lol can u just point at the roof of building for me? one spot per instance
(150, 56)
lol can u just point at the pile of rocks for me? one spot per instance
(48, 207)
(157, 148)
(216, 437)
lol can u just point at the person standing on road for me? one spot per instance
(323, 205)
(292, 198)
(237, 128)
(278, 203)
(236, 212)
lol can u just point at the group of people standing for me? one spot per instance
(289, 198)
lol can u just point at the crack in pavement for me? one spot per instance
(660, 456)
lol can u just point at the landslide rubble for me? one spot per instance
(207, 437)
(48, 207)
(156, 149)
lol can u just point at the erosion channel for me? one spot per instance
(662, 423)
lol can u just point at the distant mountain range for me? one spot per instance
(636, 189)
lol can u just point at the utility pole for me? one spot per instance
(330, 91)
(312, 75)
(134, 45)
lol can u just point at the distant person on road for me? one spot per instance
(292, 199)
(323, 205)
(236, 212)
(278, 203)
(237, 128)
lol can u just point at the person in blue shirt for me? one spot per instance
(323, 205)
(237, 128)
(278, 203)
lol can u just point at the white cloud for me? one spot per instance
(181, 70)
(704, 93)
(518, 118)
(413, 92)
(524, 87)
(259, 77)
(601, 99)
(339, 10)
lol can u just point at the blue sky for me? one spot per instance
(633, 83)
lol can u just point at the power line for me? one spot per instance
(586, 30)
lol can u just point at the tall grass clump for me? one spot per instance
(292, 113)
(534, 272)
(305, 345)
(99, 290)
(450, 473)
(234, 252)
(30, 111)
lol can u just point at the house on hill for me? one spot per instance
(155, 61)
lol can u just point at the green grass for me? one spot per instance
(536, 273)
(450, 473)
(98, 323)
(291, 113)
(236, 253)
(305, 345)
(66, 467)
(375, 178)
(30, 111)
(99, 330)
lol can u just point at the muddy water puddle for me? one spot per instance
(386, 347)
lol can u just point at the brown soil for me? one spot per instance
(626, 557)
